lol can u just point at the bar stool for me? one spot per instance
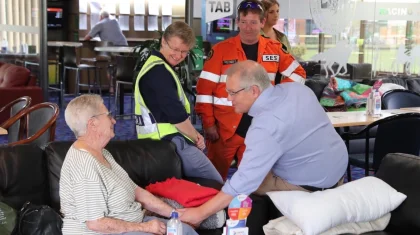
(124, 76)
(29, 64)
(70, 63)
(102, 58)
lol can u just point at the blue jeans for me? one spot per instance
(186, 229)
(194, 162)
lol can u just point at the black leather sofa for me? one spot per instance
(28, 173)
(402, 172)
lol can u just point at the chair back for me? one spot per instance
(17, 127)
(125, 68)
(396, 99)
(40, 124)
(397, 134)
(69, 56)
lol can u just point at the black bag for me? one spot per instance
(38, 220)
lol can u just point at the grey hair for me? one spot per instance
(250, 73)
(80, 110)
(104, 14)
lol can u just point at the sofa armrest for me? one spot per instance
(32, 80)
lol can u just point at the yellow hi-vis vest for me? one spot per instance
(146, 125)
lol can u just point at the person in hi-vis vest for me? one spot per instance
(161, 108)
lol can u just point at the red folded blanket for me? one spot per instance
(186, 193)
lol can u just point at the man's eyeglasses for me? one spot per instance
(233, 93)
(184, 53)
(251, 5)
(109, 114)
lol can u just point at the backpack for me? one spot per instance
(38, 220)
(7, 219)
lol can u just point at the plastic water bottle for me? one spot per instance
(370, 103)
(174, 225)
(4, 45)
(377, 104)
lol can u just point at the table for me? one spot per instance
(412, 109)
(3, 131)
(359, 118)
(115, 49)
(63, 43)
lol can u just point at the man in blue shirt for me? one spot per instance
(108, 30)
(290, 145)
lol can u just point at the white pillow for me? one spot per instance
(283, 226)
(362, 200)
(389, 86)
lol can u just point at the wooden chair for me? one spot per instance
(14, 128)
(40, 123)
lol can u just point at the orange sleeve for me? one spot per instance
(206, 85)
(291, 69)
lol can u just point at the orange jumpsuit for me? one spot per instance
(212, 104)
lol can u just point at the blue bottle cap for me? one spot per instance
(174, 215)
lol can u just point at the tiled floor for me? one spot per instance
(125, 129)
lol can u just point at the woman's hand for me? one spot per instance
(200, 142)
(155, 227)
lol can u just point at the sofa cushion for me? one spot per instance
(402, 172)
(23, 175)
(397, 80)
(317, 86)
(413, 84)
(146, 161)
(284, 226)
(13, 76)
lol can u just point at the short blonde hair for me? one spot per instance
(80, 110)
(182, 30)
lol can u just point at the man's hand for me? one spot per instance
(200, 142)
(211, 133)
(155, 227)
(191, 216)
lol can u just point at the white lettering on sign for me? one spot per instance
(267, 58)
(395, 11)
(216, 9)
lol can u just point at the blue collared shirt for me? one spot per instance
(292, 136)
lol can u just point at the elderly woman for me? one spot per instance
(97, 196)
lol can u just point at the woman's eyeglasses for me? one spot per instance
(184, 53)
(109, 114)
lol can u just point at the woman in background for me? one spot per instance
(272, 10)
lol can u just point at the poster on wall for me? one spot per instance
(153, 7)
(124, 22)
(94, 19)
(166, 21)
(139, 23)
(167, 9)
(152, 23)
(124, 7)
(82, 21)
(83, 6)
(95, 7)
(139, 7)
